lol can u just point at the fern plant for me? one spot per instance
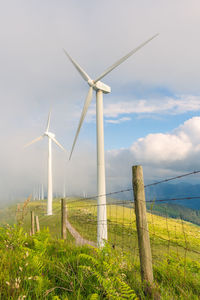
(107, 268)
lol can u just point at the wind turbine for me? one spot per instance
(100, 89)
(42, 192)
(51, 137)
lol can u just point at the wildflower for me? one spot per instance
(17, 282)
(35, 277)
(21, 297)
(16, 285)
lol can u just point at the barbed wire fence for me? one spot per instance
(121, 220)
(172, 237)
(169, 238)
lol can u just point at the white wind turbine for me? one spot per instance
(51, 137)
(100, 88)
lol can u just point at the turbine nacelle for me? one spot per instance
(99, 85)
(50, 134)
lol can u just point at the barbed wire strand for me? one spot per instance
(145, 186)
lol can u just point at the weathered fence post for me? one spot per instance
(37, 224)
(63, 219)
(142, 226)
(32, 223)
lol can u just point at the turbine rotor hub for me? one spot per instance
(99, 85)
(91, 83)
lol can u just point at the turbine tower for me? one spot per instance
(42, 192)
(51, 137)
(100, 89)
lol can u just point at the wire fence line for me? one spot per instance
(167, 236)
(130, 189)
(91, 201)
(171, 240)
(129, 202)
(172, 178)
(121, 221)
(85, 216)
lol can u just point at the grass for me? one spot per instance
(62, 270)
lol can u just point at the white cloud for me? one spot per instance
(171, 148)
(166, 105)
(161, 148)
(161, 154)
(118, 121)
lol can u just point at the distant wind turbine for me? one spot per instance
(42, 192)
(51, 137)
(100, 88)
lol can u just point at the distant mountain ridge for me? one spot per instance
(186, 209)
(180, 190)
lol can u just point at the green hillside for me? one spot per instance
(175, 211)
(56, 269)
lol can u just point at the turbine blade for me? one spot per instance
(117, 63)
(84, 111)
(85, 76)
(59, 145)
(34, 141)
(48, 122)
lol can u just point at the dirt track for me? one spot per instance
(79, 239)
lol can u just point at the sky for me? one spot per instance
(151, 116)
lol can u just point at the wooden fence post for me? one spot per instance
(142, 226)
(32, 223)
(63, 219)
(37, 224)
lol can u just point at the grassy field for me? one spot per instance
(166, 234)
(175, 249)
